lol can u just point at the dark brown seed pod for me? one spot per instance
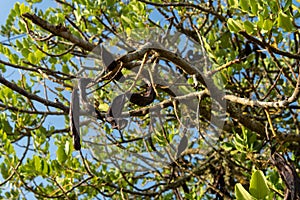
(110, 63)
(143, 99)
(74, 119)
(114, 112)
(82, 83)
(182, 145)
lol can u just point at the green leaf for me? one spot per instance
(25, 42)
(241, 193)
(37, 163)
(2, 68)
(39, 55)
(24, 9)
(19, 44)
(9, 148)
(258, 185)
(22, 26)
(25, 53)
(61, 154)
(55, 165)
(267, 25)
(234, 25)
(260, 22)
(227, 146)
(285, 22)
(32, 58)
(17, 8)
(45, 167)
(249, 27)
(4, 171)
(232, 3)
(34, 1)
(254, 6)
(60, 89)
(52, 60)
(190, 81)
(244, 4)
(14, 58)
(103, 107)
(287, 5)
(273, 5)
(126, 19)
(65, 69)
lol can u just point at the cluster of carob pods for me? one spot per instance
(113, 115)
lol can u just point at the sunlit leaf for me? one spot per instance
(37, 163)
(61, 154)
(241, 193)
(268, 24)
(254, 6)
(258, 185)
(233, 3)
(24, 8)
(285, 22)
(234, 25)
(249, 27)
(32, 58)
(244, 4)
(65, 69)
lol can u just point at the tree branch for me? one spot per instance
(29, 95)
(266, 45)
(59, 30)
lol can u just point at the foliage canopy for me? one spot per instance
(237, 137)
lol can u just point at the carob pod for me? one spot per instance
(143, 98)
(110, 63)
(82, 84)
(115, 111)
(182, 145)
(74, 119)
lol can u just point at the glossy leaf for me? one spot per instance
(285, 22)
(244, 4)
(24, 8)
(61, 155)
(233, 3)
(258, 185)
(249, 27)
(241, 193)
(17, 8)
(254, 6)
(234, 25)
(32, 58)
(267, 25)
(65, 69)
(37, 163)
(4, 171)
